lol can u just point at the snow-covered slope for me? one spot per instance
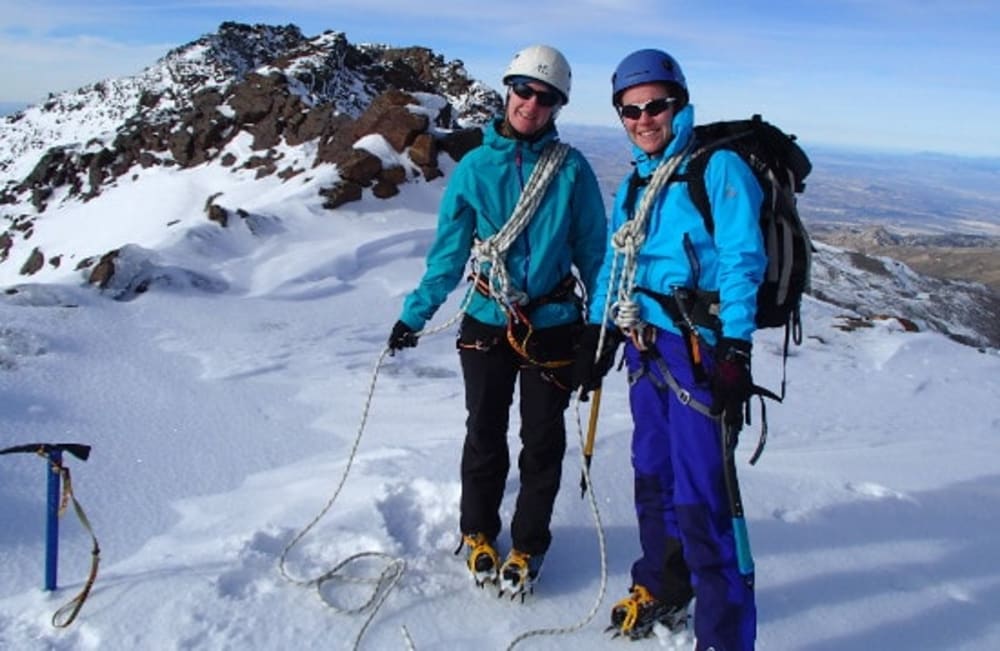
(223, 406)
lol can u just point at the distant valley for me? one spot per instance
(938, 214)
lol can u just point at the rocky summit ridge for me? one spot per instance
(270, 85)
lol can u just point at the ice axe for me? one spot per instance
(58, 476)
(588, 447)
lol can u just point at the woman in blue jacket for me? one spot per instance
(686, 381)
(529, 210)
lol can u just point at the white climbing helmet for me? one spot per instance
(543, 63)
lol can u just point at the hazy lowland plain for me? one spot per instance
(939, 214)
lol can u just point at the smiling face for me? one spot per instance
(527, 116)
(650, 133)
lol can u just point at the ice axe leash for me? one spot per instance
(57, 502)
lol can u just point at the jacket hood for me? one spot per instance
(683, 130)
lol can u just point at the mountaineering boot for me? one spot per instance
(482, 559)
(519, 573)
(635, 615)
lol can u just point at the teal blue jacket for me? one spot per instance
(732, 263)
(568, 229)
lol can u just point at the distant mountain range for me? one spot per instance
(269, 101)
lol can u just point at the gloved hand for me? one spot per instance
(403, 336)
(588, 372)
(731, 383)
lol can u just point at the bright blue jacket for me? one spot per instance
(568, 229)
(733, 263)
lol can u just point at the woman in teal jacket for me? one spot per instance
(523, 315)
(686, 382)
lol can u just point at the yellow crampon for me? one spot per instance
(518, 573)
(625, 613)
(637, 614)
(483, 560)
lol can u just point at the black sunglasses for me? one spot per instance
(652, 107)
(545, 98)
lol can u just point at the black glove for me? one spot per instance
(731, 383)
(588, 372)
(403, 336)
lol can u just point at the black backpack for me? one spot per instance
(780, 166)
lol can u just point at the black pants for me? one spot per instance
(491, 368)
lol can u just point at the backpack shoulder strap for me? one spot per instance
(694, 176)
(632, 191)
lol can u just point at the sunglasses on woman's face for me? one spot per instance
(545, 98)
(652, 108)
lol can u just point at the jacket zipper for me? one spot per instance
(518, 162)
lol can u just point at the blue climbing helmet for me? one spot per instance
(645, 66)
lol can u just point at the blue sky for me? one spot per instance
(901, 75)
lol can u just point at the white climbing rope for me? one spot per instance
(493, 250)
(394, 566)
(626, 242)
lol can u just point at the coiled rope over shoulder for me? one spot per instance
(627, 241)
(493, 250)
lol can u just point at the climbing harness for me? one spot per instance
(52, 453)
(519, 329)
(668, 381)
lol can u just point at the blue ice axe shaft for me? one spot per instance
(52, 519)
(744, 558)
